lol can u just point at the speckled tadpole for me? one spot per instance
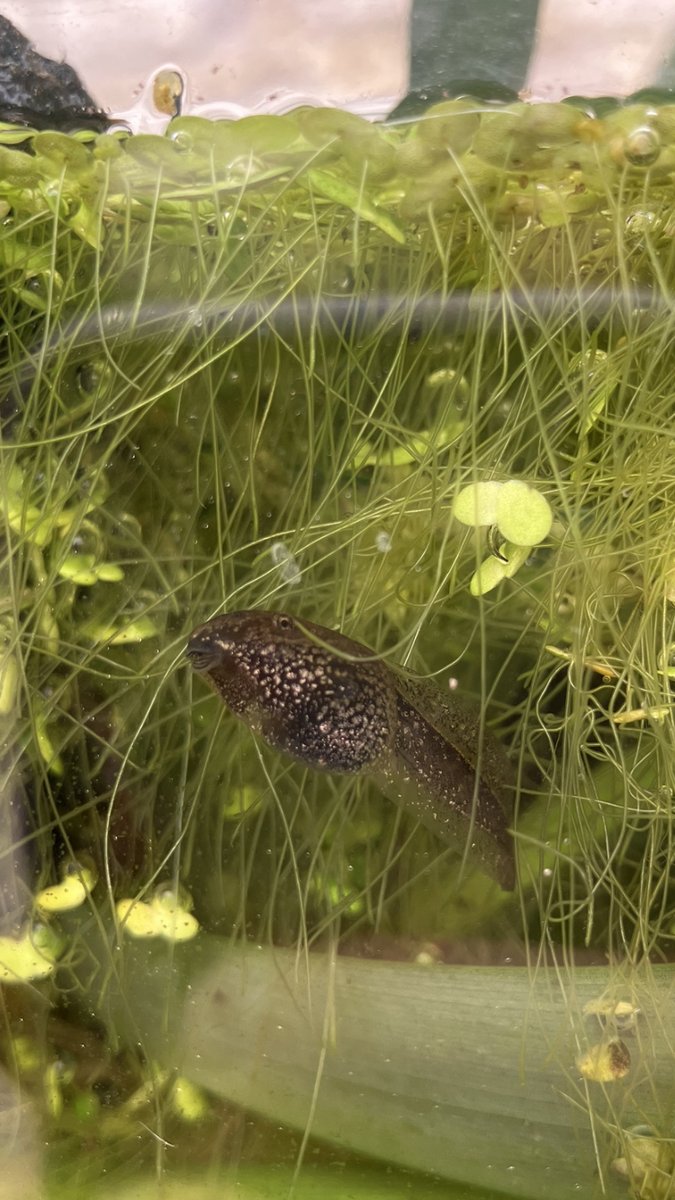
(333, 705)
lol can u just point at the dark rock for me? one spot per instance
(40, 92)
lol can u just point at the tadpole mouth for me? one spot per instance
(201, 655)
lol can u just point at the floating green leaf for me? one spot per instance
(76, 884)
(523, 515)
(32, 956)
(165, 916)
(84, 570)
(9, 684)
(477, 504)
(413, 451)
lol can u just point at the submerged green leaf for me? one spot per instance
(346, 194)
(492, 570)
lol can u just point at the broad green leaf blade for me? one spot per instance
(469, 1073)
(343, 192)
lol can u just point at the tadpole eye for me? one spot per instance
(284, 622)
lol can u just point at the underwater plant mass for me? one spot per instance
(411, 381)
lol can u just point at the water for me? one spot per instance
(254, 365)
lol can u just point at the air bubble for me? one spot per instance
(286, 562)
(641, 221)
(93, 378)
(642, 147)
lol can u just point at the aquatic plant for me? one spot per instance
(259, 363)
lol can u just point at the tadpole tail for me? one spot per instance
(438, 783)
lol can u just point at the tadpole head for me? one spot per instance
(222, 642)
(226, 653)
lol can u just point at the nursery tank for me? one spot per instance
(362, 317)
